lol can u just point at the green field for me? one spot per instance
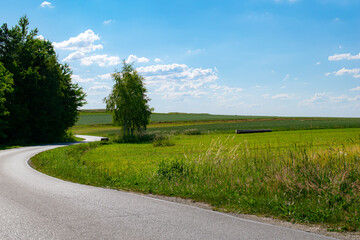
(89, 117)
(310, 176)
(214, 127)
(307, 170)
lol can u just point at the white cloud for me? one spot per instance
(266, 96)
(41, 37)
(133, 58)
(74, 56)
(355, 89)
(193, 51)
(328, 74)
(46, 4)
(157, 60)
(107, 21)
(287, 76)
(318, 97)
(79, 79)
(84, 42)
(174, 81)
(101, 60)
(283, 96)
(326, 98)
(99, 90)
(225, 89)
(355, 99)
(355, 72)
(104, 76)
(318, 63)
(337, 99)
(343, 56)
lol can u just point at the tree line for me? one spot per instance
(38, 101)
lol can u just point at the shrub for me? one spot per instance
(163, 141)
(193, 131)
(173, 169)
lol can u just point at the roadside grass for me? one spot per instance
(300, 176)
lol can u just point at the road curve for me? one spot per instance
(36, 206)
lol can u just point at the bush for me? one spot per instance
(163, 141)
(192, 132)
(173, 169)
(141, 138)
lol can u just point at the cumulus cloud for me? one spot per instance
(355, 72)
(324, 98)
(74, 56)
(193, 51)
(46, 4)
(283, 96)
(84, 42)
(82, 45)
(179, 82)
(355, 89)
(99, 90)
(317, 98)
(225, 89)
(287, 77)
(133, 58)
(157, 60)
(79, 79)
(174, 81)
(343, 56)
(41, 37)
(107, 21)
(101, 60)
(104, 76)
(354, 99)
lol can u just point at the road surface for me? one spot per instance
(36, 206)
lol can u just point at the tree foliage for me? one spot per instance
(128, 101)
(44, 102)
(6, 86)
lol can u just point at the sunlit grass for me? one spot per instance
(301, 176)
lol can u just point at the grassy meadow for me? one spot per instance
(309, 176)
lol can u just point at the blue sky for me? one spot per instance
(255, 57)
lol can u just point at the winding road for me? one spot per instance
(36, 206)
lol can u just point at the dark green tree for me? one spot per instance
(44, 103)
(6, 86)
(128, 101)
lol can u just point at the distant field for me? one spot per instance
(219, 126)
(91, 117)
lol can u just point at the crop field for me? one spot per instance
(89, 117)
(213, 127)
(310, 176)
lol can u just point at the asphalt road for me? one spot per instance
(36, 206)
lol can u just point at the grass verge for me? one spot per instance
(299, 176)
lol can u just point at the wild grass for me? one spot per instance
(300, 176)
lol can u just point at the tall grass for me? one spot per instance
(301, 184)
